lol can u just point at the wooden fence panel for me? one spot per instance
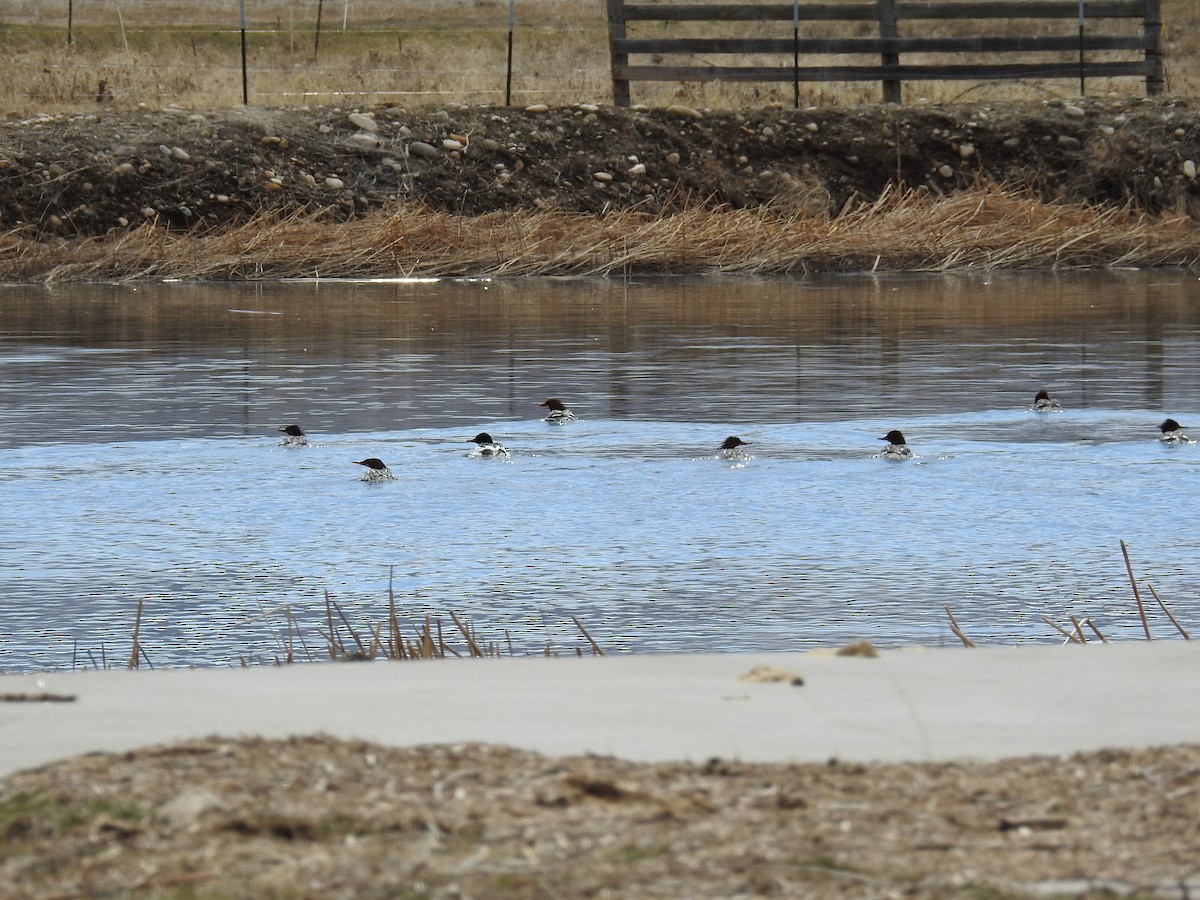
(891, 45)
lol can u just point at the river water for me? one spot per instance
(139, 461)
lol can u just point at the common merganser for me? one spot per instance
(376, 470)
(1043, 402)
(896, 448)
(1172, 433)
(486, 447)
(559, 414)
(731, 448)
(293, 437)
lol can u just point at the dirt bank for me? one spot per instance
(110, 169)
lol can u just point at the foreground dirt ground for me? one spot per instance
(92, 173)
(319, 817)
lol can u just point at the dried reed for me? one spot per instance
(137, 628)
(1136, 596)
(967, 642)
(1077, 637)
(988, 227)
(397, 641)
(1174, 621)
(471, 645)
(387, 638)
(596, 648)
(293, 624)
(428, 646)
(1068, 635)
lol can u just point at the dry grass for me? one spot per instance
(414, 52)
(411, 52)
(1075, 634)
(316, 817)
(388, 639)
(394, 637)
(986, 228)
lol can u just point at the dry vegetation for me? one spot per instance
(597, 191)
(990, 228)
(341, 640)
(318, 817)
(86, 193)
(411, 53)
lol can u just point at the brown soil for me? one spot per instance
(90, 173)
(324, 818)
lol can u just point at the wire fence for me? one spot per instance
(73, 52)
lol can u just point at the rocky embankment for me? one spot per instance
(89, 173)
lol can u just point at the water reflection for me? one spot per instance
(140, 458)
(218, 360)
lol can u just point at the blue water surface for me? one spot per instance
(139, 463)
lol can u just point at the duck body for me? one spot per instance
(731, 448)
(1172, 433)
(558, 413)
(486, 448)
(376, 470)
(896, 448)
(1043, 402)
(293, 437)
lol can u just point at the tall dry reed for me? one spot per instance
(987, 228)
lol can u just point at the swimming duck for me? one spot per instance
(1172, 433)
(293, 437)
(1043, 402)
(731, 448)
(896, 448)
(485, 447)
(559, 414)
(376, 470)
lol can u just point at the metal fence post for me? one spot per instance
(317, 39)
(245, 75)
(512, 20)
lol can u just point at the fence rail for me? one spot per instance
(1071, 50)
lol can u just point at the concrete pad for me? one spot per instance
(905, 705)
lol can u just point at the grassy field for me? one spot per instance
(406, 52)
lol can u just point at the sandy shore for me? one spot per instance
(903, 706)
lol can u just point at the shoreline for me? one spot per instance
(989, 229)
(583, 190)
(915, 705)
